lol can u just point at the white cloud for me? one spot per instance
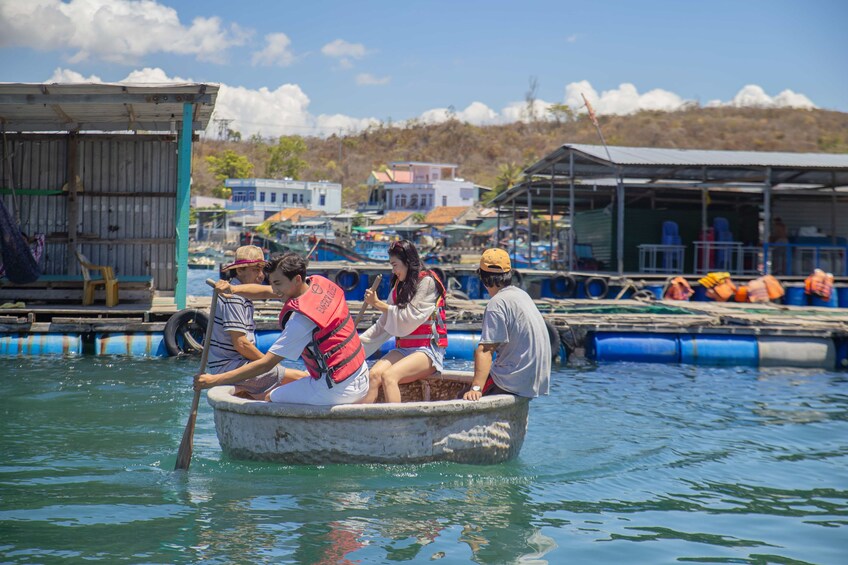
(367, 79)
(276, 52)
(572, 38)
(520, 112)
(622, 100)
(119, 31)
(284, 110)
(67, 75)
(755, 96)
(341, 49)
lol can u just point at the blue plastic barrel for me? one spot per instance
(40, 344)
(385, 285)
(461, 345)
(720, 350)
(265, 339)
(795, 296)
(700, 294)
(842, 354)
(638, 347)
(135, 344)
(833, 302)
(842, 293)
(656, 289)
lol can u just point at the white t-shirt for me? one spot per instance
(523, 362)
(294, 338)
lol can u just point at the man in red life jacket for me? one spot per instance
(317, 326)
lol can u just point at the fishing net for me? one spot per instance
(19, 258)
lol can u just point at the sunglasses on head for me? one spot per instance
(396, 246)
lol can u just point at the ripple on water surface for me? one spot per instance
(707, 465)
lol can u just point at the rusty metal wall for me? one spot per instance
(125, 210)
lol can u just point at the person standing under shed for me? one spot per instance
(513, 328)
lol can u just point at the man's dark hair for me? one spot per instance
(495, 280)
(289, 264)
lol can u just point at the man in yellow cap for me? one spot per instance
(233, 340)
(514, 328)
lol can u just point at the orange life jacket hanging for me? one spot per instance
(436, 326)
(678, 289)
(335, 350)
(819, 284)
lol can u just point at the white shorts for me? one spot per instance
(315, 391)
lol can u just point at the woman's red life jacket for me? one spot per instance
(819, 284)
(335, 350)
(436, 325)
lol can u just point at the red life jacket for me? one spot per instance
(436, 325)
(335, 350)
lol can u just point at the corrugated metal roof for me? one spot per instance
(701, 165)
(707, 157)
(103, 107)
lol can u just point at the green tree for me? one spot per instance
(285, 160)
(509, 175)
(418, 217)
(562, 113)
(229, 165)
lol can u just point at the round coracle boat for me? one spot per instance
(430, 424)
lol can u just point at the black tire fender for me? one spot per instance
(563, 285)
(556, 340)
(185, 331)
(338, 277)
(459, 294)
(604, 287)
(644, 295)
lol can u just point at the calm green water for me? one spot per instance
(623, 463)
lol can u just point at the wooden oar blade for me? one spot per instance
(184, 454)
(374, 286)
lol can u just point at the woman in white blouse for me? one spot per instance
(415, 315)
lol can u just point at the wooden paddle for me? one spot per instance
(184, 454)
(374, 286)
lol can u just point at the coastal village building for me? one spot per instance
(254, 200)
(418, 187)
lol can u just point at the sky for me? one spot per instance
(321, 67)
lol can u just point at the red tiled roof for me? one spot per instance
(392, 218)
(444, 215)
(292, 215)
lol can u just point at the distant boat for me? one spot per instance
(202, 262)
(431, 424)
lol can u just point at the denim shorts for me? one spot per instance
(436, 355)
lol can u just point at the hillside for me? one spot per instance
(481, 151)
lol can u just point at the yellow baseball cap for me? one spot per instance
(495, 261)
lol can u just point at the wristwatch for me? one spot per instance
(476, 388)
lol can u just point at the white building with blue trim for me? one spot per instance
(254, 200)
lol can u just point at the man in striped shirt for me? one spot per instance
(233, 340)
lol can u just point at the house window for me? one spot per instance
(273, 197)
(444, 200)
(284, 198)
(403, 200)
(397, 201)
(262, 197)
(300, 199)
(413, 201)
(322, 200)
